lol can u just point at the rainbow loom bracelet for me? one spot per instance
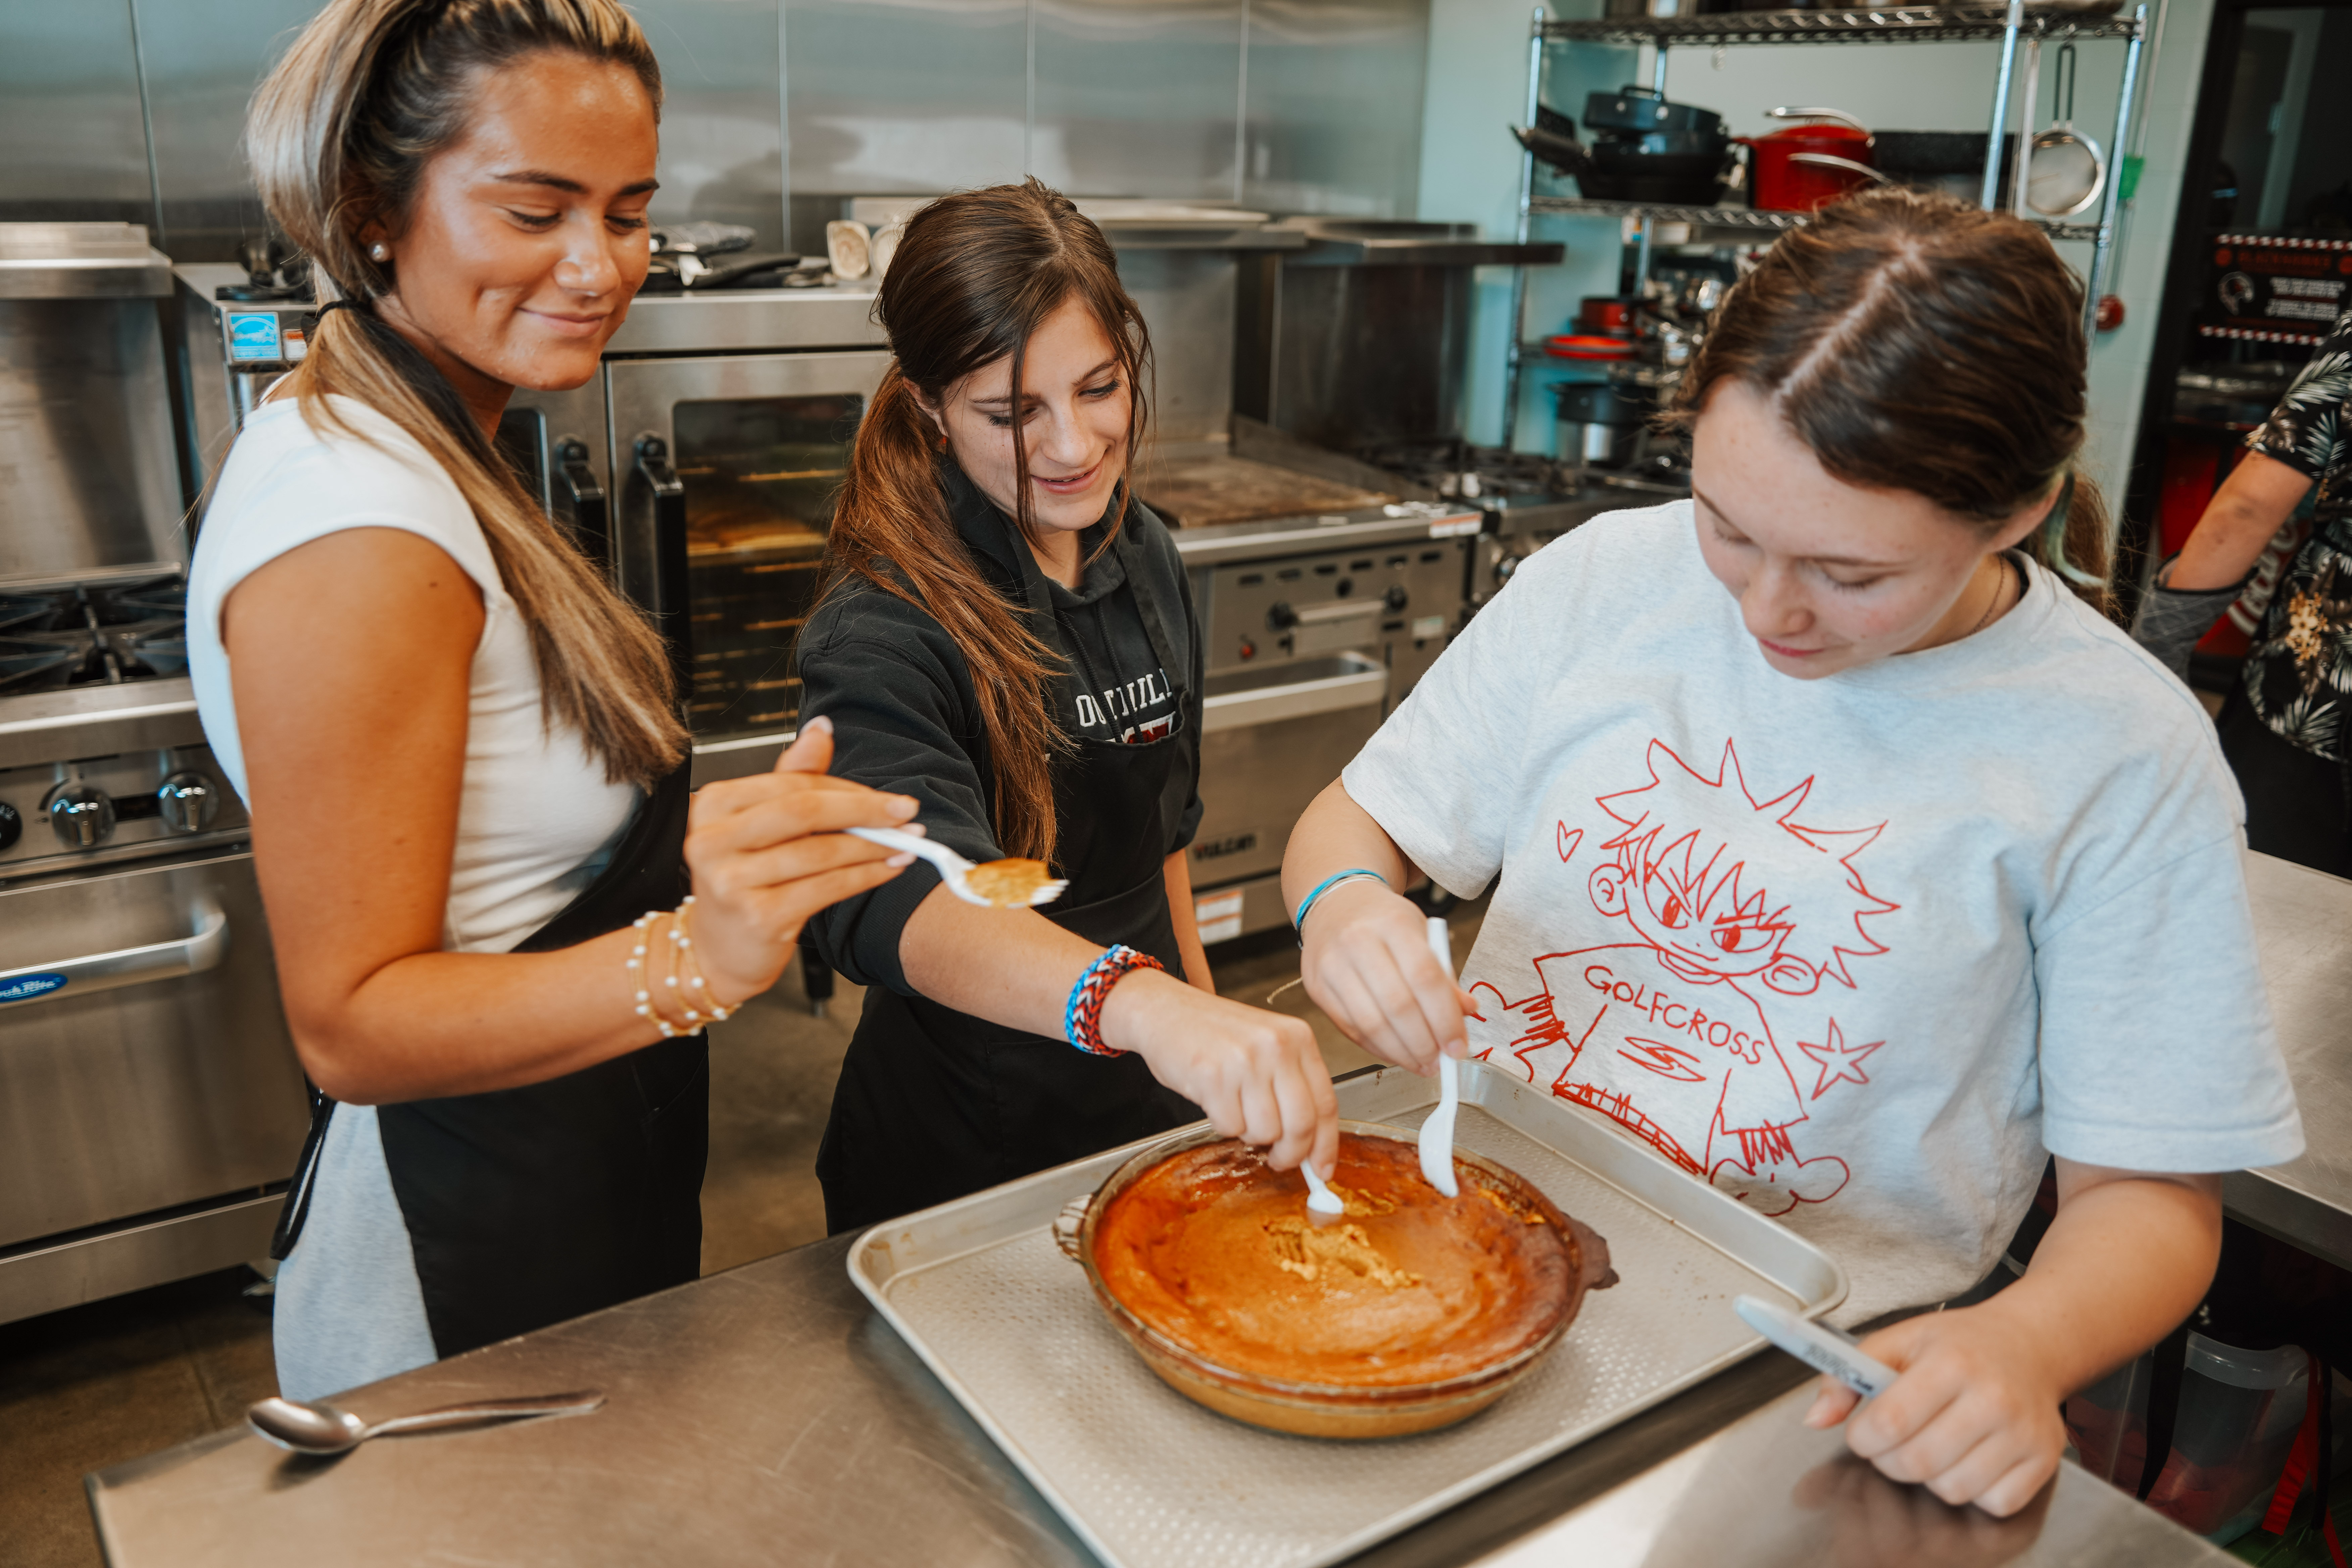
(1082, 1019)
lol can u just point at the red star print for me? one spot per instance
(1838, 1060)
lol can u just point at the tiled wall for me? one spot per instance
(131, 109)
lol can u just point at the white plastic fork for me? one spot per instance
(1437, 1132)
(1320, 1199)
(954, 870)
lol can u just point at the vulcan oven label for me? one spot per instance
(1218, 916)
(25, 988)
(253, 335)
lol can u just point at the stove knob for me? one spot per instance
(187, 801)
(82, 817)
(1282, 618)
(1394, 598)
(12, 825)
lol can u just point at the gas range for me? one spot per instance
(1526, 492)
(1526, 500)
(57, 636)
(101, 756)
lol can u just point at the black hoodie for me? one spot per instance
(907, 720)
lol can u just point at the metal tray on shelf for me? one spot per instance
(1149, 1479)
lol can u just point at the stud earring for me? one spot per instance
(379, 251)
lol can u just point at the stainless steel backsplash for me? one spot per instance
(130, 110)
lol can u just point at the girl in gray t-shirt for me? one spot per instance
(1843, 852)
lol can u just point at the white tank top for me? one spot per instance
(537, 818)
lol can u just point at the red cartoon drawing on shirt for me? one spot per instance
(1706, 1031)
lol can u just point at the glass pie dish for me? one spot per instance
(1409, 1312)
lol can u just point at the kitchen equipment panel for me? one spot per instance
(162, 1080)
(1271, 738)
(57, 816)
(93, 478)
(1313, 629)
(1403, 598)
(980, 1291)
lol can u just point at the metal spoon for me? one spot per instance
(315, 1427)
(1437, 1132)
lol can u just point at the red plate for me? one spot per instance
(1578, 345)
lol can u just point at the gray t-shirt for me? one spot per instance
(1860, 950)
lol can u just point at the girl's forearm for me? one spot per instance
(2243, 516)
(418, 1027)
(2127, 1257)
(1336, 835)
(1181, 915)
(1013, 967)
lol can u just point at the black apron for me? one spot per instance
(933, 1103)
(528, 1206)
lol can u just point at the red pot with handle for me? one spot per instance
(1837, 156)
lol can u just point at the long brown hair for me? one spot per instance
(1916, 343)
(339, 136)
(975, 274)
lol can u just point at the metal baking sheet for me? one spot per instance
(1149, 1479)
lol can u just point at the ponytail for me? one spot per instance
(974, 275)
(891, 529)
(339, 136)
(2073, 541)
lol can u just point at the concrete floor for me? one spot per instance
(97, 1385)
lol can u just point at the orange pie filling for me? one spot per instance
(1219, 1254)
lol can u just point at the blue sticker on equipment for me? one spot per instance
(253, 334)
(25, 988)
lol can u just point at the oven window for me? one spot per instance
(760, 476)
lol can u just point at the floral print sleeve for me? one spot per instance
(2307, 430)
(2299, 672)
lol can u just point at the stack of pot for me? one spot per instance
(1642, 149)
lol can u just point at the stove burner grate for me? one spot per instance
(54, 639)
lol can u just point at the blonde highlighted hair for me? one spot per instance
(339, 136)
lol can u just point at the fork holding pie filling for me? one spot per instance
(1216, 1252)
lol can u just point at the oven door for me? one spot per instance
(740, 457)
(145, 1061)
(1271, 737)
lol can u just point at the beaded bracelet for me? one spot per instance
(693, 998)
(1082, 1019)
(697, 994)
(640, 972)
(1298, 920)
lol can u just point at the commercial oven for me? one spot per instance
(1313, 629)
(701, 464)
(150, 1103)
(698, 468)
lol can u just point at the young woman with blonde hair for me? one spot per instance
(1010, 639)
(461, 749)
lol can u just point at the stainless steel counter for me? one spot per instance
(2304, 921)
(767, 1416)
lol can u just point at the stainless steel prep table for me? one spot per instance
(2303, 920)
(767, 1416)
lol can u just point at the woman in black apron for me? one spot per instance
(461, 748)
(1009, 638)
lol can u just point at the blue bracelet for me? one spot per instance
(1298, 920)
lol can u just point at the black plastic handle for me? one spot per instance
(666, 600)
(592, 520)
